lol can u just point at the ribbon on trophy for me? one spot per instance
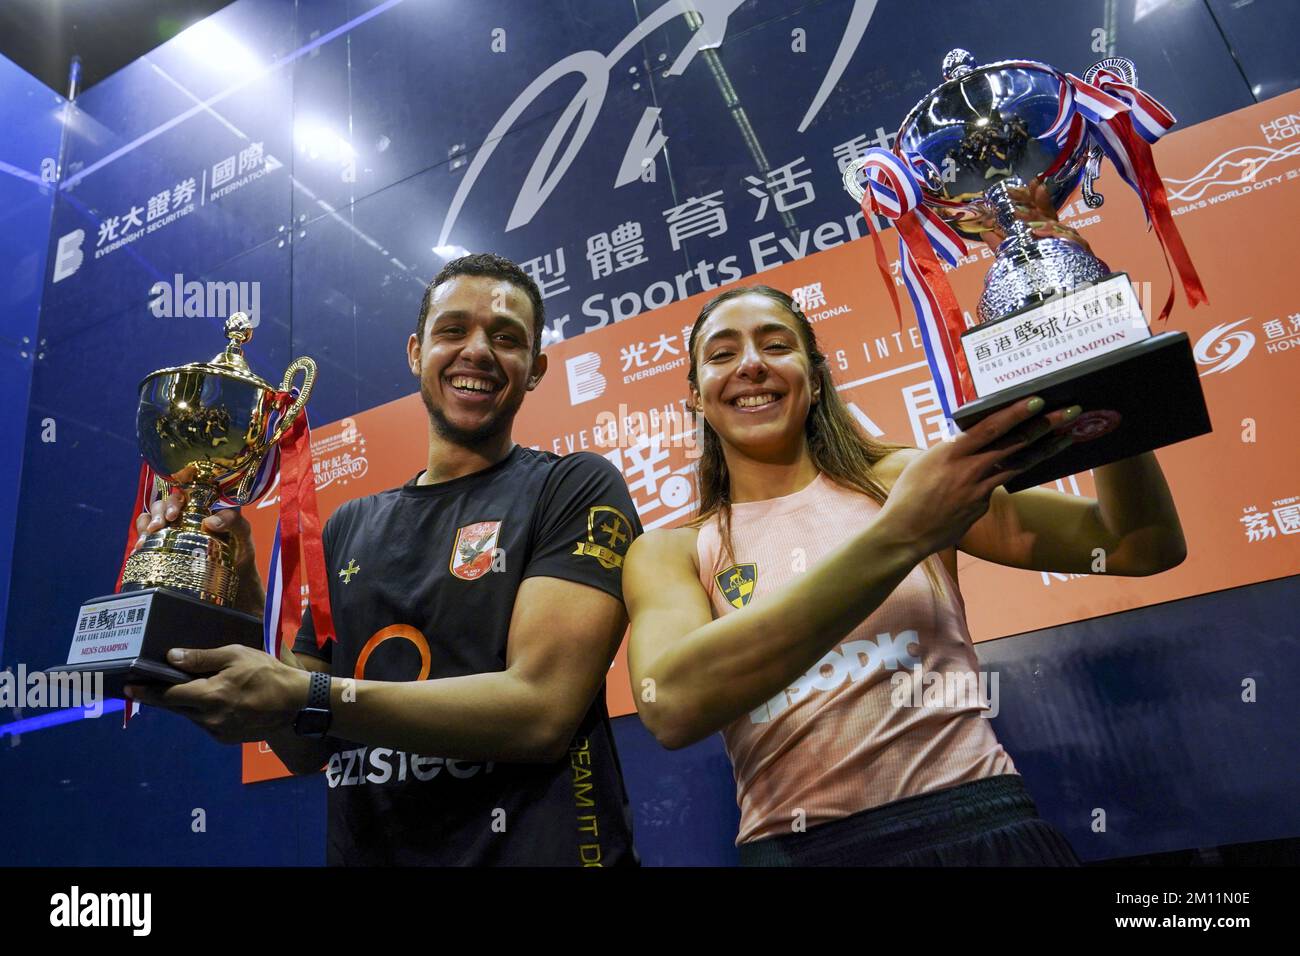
(297, 539)
(1123, 122)
(893, 190)
(297, 543)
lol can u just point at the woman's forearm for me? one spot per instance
(728, 667)
(1135, 505)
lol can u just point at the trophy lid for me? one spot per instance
(958, 66)
(230, 361)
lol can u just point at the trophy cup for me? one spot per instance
(207, 428)
(1053, 320)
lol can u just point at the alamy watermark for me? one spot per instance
(76, 908)
(22, 689)
(205, 300)
(949, 690)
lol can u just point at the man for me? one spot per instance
(478, 608)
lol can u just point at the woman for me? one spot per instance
(820, 578)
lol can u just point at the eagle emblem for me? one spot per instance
(471, 554)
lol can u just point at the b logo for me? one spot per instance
(585, 380)
(68, 256)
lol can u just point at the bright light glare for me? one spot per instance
(319, 141)
(213, 46)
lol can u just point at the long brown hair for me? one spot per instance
(838, 446)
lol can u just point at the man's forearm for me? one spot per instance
(1136, 506)
(299, 754)
(492, 716)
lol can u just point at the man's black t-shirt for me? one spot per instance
(423, 581)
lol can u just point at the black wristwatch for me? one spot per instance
(314, 719)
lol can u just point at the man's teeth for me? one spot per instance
(753, 401)
(477, 384)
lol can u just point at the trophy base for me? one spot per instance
(126, 636)
(1135, 399)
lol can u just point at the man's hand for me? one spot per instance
(227, 524)
(248, 694)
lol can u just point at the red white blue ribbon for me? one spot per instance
(296, 550)
(1123, 122)
(298, 553)
(267, 475)
(893, 190)
(271, 636)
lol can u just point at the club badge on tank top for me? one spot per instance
(737, 583)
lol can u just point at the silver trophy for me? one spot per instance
(1053, 320)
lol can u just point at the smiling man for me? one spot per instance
(460, 713)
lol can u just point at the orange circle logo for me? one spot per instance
(403, 631)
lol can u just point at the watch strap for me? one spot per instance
(318, 692)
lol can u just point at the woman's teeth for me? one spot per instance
(754, 401)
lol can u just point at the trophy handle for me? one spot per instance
(1126, 70)
(851, 174)
(308, 369)
(1091, 173)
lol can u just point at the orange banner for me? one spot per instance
(1234, 190)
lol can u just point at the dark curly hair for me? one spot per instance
(494, 267)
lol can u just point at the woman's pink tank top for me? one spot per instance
(849, 734)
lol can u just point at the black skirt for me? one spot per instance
(988, 822)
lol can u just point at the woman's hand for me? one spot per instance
(946, 489)
(1033, 206)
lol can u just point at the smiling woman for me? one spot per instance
(784, 379)
(821, 567)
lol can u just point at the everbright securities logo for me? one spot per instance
(68, 256)
(141, 215)
(585, 380)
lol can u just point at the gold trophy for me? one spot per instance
(206, 428)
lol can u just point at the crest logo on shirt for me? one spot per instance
(609, 534)
(737, 583)
(471, 555)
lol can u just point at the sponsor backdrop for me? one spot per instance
(316, 163)
(620, 391)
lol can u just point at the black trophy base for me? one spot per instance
(172, 619)
(1135, 399)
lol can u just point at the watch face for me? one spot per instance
(311, 722)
